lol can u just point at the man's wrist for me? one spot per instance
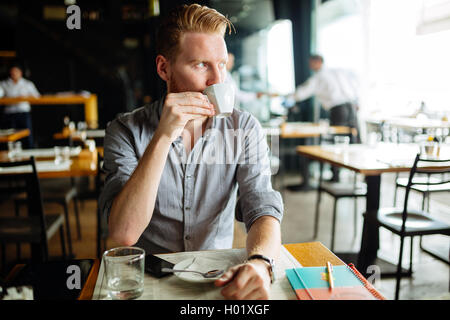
(162, 137)
(266, 261)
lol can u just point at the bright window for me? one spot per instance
(399, 66)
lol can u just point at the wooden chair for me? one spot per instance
(406, 222)
(36, 228)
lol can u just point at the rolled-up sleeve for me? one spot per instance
(256, 195)
(120, 161)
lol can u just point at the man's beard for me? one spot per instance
(175, 86)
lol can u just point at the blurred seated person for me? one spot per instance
(18, 115)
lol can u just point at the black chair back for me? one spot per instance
(29, 182)
(431, 167)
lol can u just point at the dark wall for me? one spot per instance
(299, 12)
(93, 58)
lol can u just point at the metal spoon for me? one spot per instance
(210, 274)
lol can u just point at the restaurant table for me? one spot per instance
(308, 130)
(88, 101)
(80, 135)
(83, 163)
(310, 254)
(436, 127)
(291, 130)
(371, 161)
(412, 123)
(8, 135)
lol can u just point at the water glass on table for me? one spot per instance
(430, 149)
(14, 149)
(341, 143)
(62, 154)
(124, 272)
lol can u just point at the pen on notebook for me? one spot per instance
(330, 275)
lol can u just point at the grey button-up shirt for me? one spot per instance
(197, 195)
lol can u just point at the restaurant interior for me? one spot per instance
(90, 68)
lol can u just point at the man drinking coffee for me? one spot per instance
(167, 189)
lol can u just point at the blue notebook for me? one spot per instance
(311, 283)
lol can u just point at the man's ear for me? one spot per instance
(163, 67)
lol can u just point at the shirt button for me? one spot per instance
(188, 208)
(187, 238)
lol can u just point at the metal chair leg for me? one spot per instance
(316, 218)
(355, 214)
(395, 190)
(18, 247)
(77, 217)
(66, 218)
(355, 218)
(3, 246)
(411, 255)
(333, 226)
(63, 242)
(399, 270)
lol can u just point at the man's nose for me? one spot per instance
(216, 76)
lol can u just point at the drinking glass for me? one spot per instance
(58, 155)
(124, 272)
(65, 153)
(18, 147)
(430, 149)
(11, 149)
(341, 143)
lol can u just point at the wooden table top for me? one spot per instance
(85, 164)
(310, 130)
(89, 101)
(79, 135)
(50, 99)
(368, 160)
(14, 136)
(309, 254)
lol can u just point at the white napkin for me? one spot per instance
(46, 152)
(201, 264)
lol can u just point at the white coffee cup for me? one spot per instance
(221, 95)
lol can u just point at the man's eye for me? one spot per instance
(222, 65)
(200, 65)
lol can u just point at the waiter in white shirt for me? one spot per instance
(337, 92)
(18, 115)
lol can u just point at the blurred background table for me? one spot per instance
(7, 135)
(371, 161)
(88, 101)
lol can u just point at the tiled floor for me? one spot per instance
(429, 281)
